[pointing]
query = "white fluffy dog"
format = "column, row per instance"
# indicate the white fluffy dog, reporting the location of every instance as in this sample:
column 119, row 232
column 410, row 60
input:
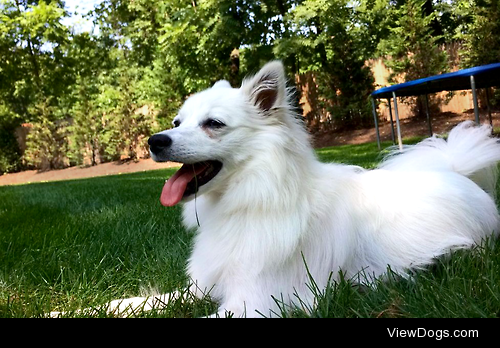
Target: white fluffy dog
column 269, row 215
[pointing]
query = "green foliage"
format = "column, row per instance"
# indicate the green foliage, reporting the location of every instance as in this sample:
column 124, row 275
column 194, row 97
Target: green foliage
column 413, row 46
column 480, row 33
column 46, row 144
column 104, row 92
column 32, row 74
column 330, row 41
column 125, row 128
column 86, row 126
column 10, row 156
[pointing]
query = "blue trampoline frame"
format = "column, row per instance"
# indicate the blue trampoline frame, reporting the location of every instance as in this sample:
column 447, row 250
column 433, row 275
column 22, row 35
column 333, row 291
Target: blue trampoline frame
column 473, row 78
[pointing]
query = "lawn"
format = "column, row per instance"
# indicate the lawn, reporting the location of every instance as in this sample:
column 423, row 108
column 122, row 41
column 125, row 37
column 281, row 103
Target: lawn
column 81, row 243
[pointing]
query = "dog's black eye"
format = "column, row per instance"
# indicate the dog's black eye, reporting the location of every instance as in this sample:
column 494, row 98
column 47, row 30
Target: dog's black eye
column 177, row 123
column 213, row 123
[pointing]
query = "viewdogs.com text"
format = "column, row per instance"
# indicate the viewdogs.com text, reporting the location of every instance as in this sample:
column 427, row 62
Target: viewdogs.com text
column 430, row 333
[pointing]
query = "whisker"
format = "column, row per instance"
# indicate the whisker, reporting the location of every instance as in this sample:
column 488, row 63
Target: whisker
column 195, row 197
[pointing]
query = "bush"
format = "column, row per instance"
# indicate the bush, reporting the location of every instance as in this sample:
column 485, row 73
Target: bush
column 47, row 143
column 10, row 154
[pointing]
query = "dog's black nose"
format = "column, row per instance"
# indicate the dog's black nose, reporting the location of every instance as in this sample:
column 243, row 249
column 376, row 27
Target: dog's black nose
column 158, row 142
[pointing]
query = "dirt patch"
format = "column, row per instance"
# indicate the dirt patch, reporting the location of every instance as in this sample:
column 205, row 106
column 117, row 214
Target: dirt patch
column 111, row 168
column 409, row 128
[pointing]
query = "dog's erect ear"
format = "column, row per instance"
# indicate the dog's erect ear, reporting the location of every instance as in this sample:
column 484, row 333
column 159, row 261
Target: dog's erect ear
column 222, row 84
column 267, row 88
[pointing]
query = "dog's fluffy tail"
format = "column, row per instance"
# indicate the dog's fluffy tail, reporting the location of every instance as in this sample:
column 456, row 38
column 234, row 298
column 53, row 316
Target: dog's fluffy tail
column 469, row 150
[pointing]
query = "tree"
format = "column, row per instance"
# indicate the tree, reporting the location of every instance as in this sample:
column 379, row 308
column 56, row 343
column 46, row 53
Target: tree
column 33, row 72
column 126, row 125
column 330, row 40
column 480, row 32
column 94, row 97
column 46, row 145
column 190, row 45
column 412, row 45
column 86, row 123
column 90, row 59
column 412, row 48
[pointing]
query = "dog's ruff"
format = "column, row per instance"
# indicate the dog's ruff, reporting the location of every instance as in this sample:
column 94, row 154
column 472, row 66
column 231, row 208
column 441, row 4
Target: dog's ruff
column 274, row 216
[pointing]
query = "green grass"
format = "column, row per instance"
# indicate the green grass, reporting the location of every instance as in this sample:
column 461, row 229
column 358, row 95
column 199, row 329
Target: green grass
column 81, row 243
column 364, row 155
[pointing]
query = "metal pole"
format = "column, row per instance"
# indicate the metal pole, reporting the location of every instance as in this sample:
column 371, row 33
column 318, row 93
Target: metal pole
column 393, row 136
column 488, row 106
column 375, row 118
column 474, row 98
column 428, row 114
column 397, row 121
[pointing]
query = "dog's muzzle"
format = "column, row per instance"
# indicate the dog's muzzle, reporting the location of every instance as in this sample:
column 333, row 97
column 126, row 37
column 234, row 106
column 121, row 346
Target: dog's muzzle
column 189, row 178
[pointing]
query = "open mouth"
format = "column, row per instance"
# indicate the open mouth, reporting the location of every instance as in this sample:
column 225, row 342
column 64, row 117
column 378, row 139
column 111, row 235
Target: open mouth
column 187, row 180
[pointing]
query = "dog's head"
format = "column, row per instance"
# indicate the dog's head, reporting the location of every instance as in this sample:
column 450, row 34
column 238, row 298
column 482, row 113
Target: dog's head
column 212, row 130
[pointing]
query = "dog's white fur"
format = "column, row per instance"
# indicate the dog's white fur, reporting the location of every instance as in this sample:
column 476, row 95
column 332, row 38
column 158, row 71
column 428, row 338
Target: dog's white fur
column 274, row 208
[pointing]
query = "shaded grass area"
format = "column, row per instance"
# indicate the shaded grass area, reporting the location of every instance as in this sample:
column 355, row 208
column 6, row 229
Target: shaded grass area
column 84, row 242
column 81, row 243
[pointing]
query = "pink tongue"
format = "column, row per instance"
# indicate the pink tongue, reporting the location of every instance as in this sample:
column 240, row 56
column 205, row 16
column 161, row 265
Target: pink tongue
column 174, row 188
